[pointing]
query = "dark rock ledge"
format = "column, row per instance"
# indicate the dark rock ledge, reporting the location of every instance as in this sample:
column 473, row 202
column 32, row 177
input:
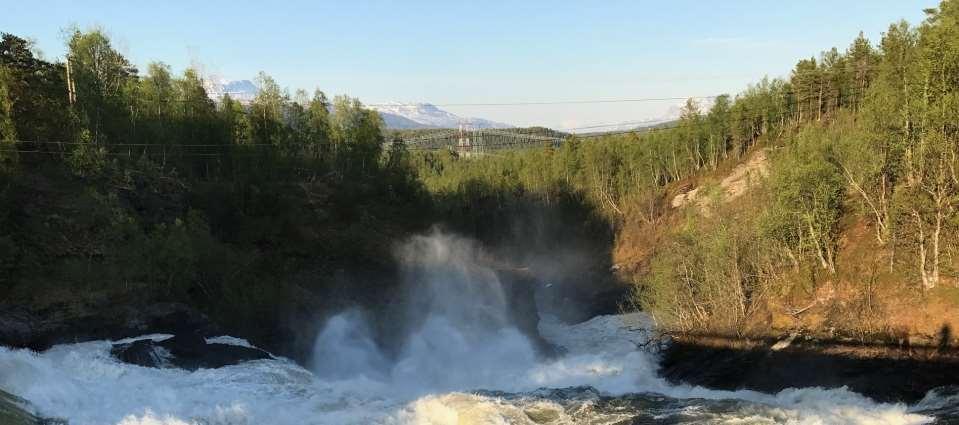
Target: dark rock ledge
column 188, row 351
column 39, row 330
column 882, row 372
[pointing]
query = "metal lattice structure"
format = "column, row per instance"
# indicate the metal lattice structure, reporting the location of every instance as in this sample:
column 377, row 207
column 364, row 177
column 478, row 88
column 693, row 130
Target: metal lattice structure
column 467, row 141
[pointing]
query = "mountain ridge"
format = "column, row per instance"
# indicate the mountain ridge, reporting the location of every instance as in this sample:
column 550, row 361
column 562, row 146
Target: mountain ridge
column 428, row 115
column 396, row 115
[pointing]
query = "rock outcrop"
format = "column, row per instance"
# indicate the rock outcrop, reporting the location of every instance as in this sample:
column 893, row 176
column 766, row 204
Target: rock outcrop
column 38, row 331
column 16, row 411
column 883, row 373
column 744, row 177
column 188, row 351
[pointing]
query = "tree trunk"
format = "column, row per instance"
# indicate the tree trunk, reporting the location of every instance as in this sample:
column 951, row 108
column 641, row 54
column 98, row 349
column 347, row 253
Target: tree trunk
column 927, row 282
column 935, row 245
column 823, row 249
column 819, row 106
column 878, row 208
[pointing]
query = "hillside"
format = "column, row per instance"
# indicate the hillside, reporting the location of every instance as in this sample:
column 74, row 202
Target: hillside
column 869, row 297
column 823, row 204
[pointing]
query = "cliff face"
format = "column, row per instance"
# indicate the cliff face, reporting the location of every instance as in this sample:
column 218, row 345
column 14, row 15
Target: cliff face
column 873, row 295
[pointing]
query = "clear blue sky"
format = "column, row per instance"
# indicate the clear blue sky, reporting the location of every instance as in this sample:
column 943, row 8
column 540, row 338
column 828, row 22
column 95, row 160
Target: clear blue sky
column 478, row 52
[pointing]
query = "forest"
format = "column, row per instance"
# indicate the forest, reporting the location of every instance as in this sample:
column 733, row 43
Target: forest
column 852, row 233
column 122, row 187
column 122, row 184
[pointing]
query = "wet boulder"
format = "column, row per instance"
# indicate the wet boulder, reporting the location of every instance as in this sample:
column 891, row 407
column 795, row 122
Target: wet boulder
column 144, row 352
column 186, row 351
column 191, row 352
column 186, row 346
column 17, row 411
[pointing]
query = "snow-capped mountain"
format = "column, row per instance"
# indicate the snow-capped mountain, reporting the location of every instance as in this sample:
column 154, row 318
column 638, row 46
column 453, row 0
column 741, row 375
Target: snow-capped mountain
column 425, row 115
column 397, row 122
column 241, row 90
column 395, row 115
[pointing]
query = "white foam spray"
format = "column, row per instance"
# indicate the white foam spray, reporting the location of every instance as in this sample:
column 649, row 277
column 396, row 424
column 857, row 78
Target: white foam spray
column 462, row 340
column 463, row 336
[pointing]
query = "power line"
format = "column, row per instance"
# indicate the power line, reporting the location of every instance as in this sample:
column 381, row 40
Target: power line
column 645, row 130
column 534, row 139
column 731, row 108
column 224, row 145
column 640, row 131
column 787, row 108
column 130, row 154
column 777, row 107
column 516, row 103
column 550, row 102
column 614, row 124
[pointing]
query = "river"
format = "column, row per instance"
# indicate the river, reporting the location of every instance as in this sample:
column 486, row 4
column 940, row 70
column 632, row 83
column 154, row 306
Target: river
column 464, row 364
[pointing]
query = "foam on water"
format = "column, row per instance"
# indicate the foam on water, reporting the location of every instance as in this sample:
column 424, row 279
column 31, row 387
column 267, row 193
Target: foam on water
column 462, row 363
column 84, row 383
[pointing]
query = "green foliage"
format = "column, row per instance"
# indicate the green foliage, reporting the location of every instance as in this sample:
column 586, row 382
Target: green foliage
column 888, row 150
column 266, row 112
column 173, row 258
column 712, row 274
column 155, row 189
column 358, row 136
column 156, row 192
column 624, row 175
column 101, row 74
column 807, row 193
column 318, row 130
column 8, row 132
column 866, row 131
column 36, row 90
column 234, row 122
column 87, row 158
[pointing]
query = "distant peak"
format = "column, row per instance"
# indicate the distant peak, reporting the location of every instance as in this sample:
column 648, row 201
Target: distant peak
column 427, row 115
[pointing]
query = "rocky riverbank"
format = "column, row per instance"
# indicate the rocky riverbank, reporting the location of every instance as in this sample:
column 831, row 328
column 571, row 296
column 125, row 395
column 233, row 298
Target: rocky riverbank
column 23, row 326
column 903, row 372
column 887, row 373
column 14, row 411
column 38, row 330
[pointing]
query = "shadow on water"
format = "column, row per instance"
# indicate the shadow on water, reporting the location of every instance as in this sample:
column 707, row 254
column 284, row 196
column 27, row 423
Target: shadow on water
column 883, row 372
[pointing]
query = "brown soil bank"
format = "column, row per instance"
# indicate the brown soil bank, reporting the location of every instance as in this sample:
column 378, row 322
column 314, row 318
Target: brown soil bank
column 881, row 372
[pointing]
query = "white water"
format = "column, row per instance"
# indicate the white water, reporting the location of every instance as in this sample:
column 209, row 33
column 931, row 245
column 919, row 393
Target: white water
column 463, row 341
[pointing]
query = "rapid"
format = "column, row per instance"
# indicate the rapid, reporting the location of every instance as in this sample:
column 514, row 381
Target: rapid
column 463, row 362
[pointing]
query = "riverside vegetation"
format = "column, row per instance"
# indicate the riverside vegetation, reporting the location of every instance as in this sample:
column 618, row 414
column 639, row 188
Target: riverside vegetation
column 852, row 234
column 126, row 187
column 139, row 188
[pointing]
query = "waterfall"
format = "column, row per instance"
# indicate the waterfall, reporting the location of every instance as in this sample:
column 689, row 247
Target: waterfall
column 461, row 361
